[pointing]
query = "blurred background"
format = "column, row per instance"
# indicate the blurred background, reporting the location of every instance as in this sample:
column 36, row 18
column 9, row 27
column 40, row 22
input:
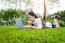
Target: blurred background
column 12, row 9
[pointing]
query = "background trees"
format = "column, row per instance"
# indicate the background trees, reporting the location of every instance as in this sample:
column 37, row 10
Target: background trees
column 8, row 16
column 61, row 14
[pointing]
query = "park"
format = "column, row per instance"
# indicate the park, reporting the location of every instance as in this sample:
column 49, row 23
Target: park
column 14, row 15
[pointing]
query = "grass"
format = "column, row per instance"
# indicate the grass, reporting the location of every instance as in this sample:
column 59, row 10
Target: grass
column 11, row 34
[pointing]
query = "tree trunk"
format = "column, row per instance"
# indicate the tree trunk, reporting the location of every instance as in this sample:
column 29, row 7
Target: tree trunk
column 44, row 15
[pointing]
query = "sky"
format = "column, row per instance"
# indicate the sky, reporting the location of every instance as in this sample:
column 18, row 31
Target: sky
column 38, row 6
column 50, row 8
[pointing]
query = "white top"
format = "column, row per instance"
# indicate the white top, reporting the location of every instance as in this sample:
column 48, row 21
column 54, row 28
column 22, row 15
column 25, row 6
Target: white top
column 38, row 23
column 48, row 24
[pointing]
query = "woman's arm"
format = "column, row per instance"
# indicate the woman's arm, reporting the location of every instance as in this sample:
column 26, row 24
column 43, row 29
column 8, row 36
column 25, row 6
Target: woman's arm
column 30, row 26
column 38, row 24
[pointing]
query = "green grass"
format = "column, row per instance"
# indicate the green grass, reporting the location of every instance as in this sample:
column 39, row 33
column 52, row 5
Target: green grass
column 11, row 34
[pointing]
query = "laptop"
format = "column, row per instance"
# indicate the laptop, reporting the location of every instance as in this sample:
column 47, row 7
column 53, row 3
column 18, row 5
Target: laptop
column 19, row 23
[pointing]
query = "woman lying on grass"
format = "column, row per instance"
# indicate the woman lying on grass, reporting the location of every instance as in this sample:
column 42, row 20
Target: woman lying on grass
column 35, row 22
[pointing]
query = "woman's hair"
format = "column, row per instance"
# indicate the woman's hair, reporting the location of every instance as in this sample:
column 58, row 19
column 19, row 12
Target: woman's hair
column 32, row 14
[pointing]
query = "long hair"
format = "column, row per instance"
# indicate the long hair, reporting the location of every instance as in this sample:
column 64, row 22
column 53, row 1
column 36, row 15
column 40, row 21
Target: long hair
column 32, row 14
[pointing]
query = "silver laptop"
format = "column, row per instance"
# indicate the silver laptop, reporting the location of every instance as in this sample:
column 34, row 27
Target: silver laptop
column 19, row 23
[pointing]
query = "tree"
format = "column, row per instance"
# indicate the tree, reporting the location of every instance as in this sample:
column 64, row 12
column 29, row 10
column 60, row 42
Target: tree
column 44, row 15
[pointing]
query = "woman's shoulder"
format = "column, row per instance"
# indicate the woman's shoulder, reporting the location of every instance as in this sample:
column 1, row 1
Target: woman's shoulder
column 38, row 20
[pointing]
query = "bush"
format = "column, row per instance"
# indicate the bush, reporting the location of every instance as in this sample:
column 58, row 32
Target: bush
column 61, row 14
column 10, row 14
column 49, row 20
column 12, row 34
column 62, row 23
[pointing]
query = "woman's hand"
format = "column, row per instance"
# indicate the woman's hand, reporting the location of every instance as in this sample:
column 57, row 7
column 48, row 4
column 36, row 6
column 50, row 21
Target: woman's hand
column 29, row 22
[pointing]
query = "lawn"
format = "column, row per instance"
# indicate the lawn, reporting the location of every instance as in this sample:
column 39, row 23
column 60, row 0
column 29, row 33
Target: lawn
column 11, row 34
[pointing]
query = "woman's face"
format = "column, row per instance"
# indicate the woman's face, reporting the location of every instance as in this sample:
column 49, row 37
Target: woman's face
column 31, row 18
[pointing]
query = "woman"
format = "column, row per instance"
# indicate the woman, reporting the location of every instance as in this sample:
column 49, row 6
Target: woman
column 35, row 22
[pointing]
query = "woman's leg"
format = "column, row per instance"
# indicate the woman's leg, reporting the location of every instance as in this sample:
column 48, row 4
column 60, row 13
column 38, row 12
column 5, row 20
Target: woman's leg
column 56, row 23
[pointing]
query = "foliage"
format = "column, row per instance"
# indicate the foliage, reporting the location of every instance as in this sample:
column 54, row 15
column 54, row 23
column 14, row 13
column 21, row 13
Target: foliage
column 9, row 13
column 12, row 14
column 61, row 14
column 11, row 34
column 62, row 23
column 49, row 20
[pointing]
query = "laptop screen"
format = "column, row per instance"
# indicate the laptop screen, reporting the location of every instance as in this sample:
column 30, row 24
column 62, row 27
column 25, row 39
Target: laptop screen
column 19, row 22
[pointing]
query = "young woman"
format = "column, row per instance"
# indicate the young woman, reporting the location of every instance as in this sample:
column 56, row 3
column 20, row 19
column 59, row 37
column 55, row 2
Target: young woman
column 35, row 22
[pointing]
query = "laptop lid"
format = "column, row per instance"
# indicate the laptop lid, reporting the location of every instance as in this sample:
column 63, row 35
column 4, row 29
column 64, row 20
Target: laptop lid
column 19, row 22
